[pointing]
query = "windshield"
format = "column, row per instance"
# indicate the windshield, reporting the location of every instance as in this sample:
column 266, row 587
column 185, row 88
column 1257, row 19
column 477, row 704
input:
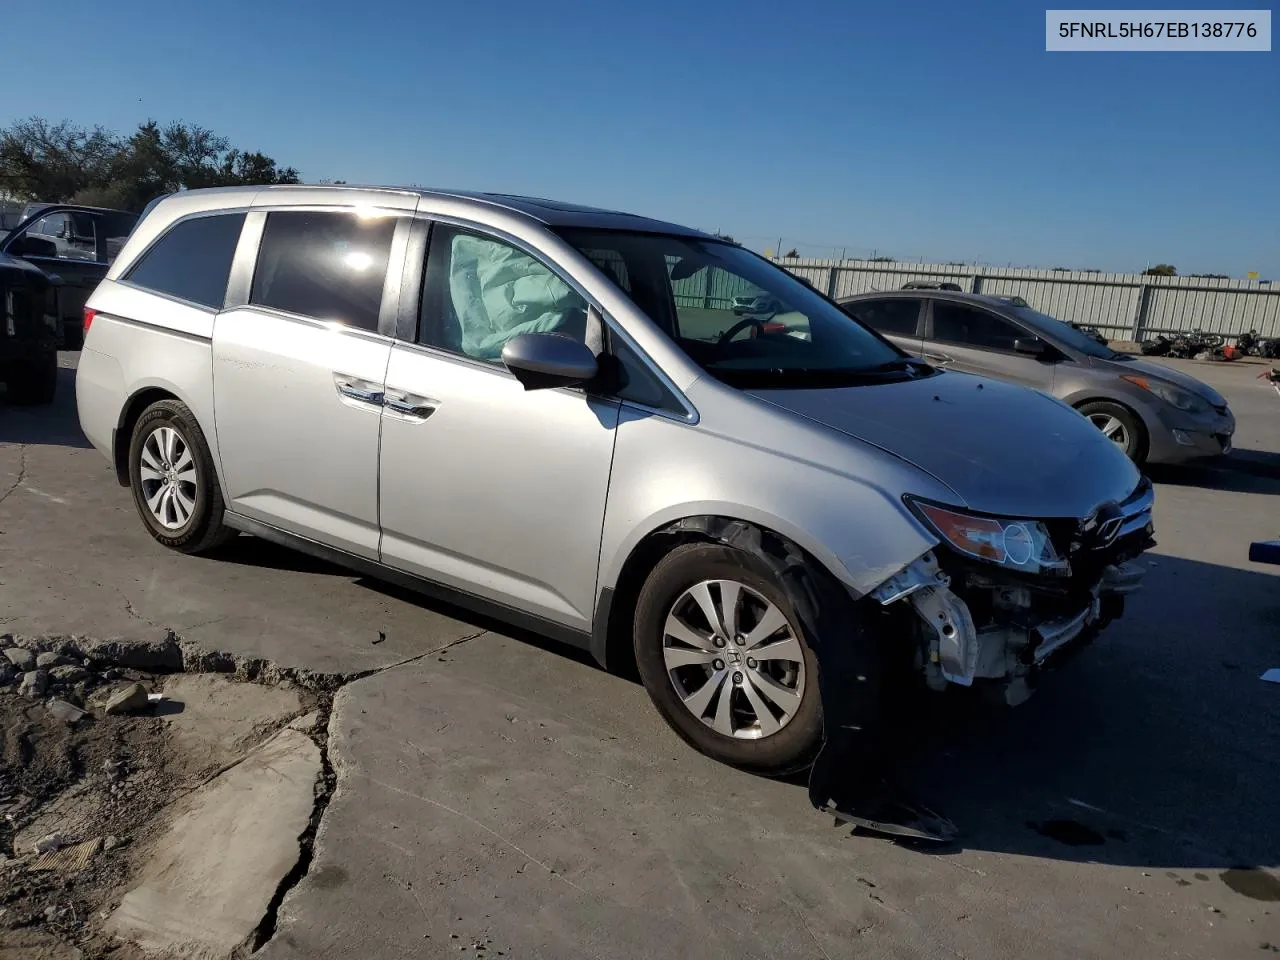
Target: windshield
column 1076, row 339
column 739, row 317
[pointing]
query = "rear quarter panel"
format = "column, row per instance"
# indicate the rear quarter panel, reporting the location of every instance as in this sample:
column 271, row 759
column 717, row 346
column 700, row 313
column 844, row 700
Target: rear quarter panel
column 140, row 340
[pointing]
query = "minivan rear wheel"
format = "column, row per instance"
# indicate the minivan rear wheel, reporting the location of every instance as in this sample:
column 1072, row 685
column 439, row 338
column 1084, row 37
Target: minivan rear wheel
column 175, row 487
column 1120, row 425
column 726, row 661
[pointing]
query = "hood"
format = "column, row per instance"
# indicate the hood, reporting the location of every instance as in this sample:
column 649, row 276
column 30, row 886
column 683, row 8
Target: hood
column 1158, row 371
column 1002, row 448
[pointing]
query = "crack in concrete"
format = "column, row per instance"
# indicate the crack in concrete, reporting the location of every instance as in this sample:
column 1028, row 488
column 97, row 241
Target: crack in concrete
column 374, row 671
column 195, row 659
column 130, row 609
column 22, row 472
column 328, row 784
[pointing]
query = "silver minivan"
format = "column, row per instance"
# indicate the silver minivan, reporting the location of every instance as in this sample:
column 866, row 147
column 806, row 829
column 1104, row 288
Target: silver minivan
column 1156, row 414
column 554, row 414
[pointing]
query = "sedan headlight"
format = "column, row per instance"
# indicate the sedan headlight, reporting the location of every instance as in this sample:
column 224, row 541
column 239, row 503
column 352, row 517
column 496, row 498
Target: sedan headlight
column 1017, row 544
column 1182, row 399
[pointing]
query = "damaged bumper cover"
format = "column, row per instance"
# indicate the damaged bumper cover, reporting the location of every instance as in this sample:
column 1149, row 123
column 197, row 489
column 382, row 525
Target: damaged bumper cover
column 980, row 621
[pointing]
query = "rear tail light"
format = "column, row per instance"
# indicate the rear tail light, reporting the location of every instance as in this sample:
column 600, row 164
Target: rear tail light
column 88, row 318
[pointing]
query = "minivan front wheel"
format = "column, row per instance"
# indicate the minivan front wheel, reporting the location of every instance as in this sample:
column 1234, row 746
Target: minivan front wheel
column 174, row 484
column 725, row 660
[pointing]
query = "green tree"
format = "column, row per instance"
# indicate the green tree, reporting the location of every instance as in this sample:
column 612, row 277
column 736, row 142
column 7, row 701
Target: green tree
column 42, row 160
column 1161, row 270
column 61, row 162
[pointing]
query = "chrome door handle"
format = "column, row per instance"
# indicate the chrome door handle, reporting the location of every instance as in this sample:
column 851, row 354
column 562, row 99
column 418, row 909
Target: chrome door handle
column 349, row 387
column 409, row 405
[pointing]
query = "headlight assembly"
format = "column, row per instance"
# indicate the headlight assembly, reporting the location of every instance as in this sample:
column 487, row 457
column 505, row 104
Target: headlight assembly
column 1182, row 399
column 1017, row 544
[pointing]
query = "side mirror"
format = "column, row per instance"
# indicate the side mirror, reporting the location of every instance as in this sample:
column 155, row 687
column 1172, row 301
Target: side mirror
column 29, row 246
column 1032, row 346
column 544, row 360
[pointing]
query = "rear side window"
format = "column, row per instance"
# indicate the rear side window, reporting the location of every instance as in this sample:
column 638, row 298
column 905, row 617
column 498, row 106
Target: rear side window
column 897, row 316
column 192, row 261
column 953, row 323
column 330, row 266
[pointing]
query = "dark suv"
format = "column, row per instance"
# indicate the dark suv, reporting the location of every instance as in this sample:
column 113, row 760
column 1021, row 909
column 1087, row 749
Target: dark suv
column 29, row 335
column 74, row 243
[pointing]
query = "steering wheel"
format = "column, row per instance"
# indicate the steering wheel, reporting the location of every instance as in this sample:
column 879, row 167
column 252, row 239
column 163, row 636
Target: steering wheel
column 738, row 328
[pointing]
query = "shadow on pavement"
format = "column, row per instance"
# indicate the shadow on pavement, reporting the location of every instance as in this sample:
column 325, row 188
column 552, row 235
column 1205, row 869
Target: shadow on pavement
column 250, row 551
column 1244, row 471
column 1155, row 747
column 55, row 425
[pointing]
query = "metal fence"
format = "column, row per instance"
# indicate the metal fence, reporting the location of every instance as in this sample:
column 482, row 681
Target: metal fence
column 1125, row 306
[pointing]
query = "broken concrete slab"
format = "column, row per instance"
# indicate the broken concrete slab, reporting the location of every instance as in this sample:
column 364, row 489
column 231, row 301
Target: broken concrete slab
column 126, row 700
column 153, row 649
column 23, row 660
column 211, row 875
column 33, row 684
column 68, row 712
column 68, row 674
column 218, row 716
column 307, row 723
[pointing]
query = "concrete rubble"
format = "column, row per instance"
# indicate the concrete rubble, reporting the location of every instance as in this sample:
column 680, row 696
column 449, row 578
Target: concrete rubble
column 185, row 813
column 211, row 876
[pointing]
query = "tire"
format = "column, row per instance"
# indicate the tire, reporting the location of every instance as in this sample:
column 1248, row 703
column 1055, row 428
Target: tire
column 790, row 748
column 189, row 516
column 1101, row 413
column 33, row 383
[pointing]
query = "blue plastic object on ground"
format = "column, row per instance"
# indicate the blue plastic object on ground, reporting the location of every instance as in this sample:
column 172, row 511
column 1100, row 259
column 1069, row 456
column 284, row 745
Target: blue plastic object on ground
column 1265, row 551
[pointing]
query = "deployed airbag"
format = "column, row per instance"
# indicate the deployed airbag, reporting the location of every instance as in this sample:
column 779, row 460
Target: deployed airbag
column 499, row 292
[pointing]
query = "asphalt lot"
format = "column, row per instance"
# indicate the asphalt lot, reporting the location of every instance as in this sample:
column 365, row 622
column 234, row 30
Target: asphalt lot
column 499, row 795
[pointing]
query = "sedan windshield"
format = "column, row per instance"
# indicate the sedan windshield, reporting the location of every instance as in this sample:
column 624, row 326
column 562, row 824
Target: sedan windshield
column 1076, row 339
column 742, row 319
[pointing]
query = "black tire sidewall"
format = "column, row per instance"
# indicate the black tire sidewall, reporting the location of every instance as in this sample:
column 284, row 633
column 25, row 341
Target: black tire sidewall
column 792, row 748
column 173, row 414
column 1136, row 449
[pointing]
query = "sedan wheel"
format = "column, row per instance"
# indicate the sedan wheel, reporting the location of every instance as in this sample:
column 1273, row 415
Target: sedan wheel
column 733, row 659
column 1111, row 428
column 1120, row 425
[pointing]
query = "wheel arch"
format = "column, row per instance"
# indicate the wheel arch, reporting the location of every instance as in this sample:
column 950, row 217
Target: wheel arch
column 143, row 396
column 611, row 636
column 1140, row 413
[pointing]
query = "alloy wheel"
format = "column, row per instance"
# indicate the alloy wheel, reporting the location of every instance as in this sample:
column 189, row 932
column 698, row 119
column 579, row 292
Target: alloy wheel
column 169, row 478
column 1111, row 428
column 734, row 659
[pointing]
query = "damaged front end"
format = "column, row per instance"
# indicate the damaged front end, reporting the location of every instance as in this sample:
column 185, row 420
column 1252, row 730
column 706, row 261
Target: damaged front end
column 999, row 599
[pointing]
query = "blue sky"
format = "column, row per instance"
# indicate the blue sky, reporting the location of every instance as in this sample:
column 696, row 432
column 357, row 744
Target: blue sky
column 940, row 130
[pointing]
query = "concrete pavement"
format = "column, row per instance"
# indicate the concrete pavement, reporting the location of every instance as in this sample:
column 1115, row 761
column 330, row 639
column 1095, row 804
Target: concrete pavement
column 505, row 795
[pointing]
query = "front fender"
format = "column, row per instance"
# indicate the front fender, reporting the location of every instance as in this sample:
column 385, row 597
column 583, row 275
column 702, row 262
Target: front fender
column 852, row 521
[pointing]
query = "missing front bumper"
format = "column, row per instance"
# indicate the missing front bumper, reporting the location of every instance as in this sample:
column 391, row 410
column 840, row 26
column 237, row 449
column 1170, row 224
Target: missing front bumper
column 1019, row 635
